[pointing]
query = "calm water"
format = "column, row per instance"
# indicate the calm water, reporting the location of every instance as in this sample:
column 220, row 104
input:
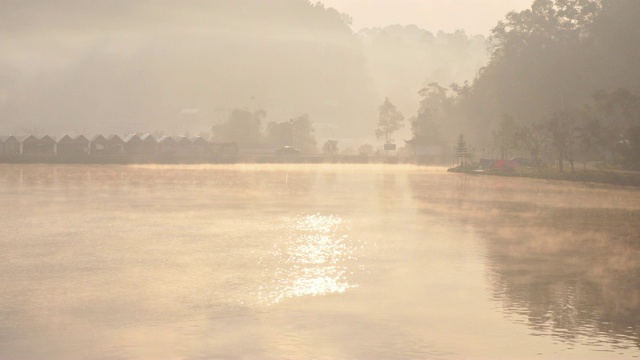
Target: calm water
column 313, row 262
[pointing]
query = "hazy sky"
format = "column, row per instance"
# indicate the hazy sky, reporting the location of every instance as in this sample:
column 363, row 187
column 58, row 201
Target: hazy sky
column 475, row 16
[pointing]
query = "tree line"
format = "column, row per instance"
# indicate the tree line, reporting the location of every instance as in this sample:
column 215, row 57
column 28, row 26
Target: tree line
column 562, row 83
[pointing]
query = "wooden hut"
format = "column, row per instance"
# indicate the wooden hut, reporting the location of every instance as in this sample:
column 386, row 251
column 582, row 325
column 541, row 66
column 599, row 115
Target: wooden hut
column 199, row 146
column 132, row 144
column 73, row 146
column 38, row 145
column 183, row 146
column 115, row 145
column 98, row 146
column 10, row 145
column 140, row 145
column 149, row 144
column 167, row 146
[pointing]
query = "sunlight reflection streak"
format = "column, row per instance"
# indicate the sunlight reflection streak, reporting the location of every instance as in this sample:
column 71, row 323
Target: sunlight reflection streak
column 312, row 258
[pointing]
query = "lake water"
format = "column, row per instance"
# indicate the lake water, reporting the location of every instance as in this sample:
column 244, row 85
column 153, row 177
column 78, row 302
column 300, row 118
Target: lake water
column 313, row 262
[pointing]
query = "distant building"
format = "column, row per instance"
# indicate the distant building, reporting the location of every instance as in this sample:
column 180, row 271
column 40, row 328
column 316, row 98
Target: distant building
column 106, row 146
column 38, row 145
column 199, row 146
column 183, row 145
column 132, row 144
column 167, row 146
column 486, row 163
column 74, row 146
column 423, row 147
column 98, row 145
column 140, row 145
column 115, row 145
column 10, row 145
column 149, row 144
column 425, row 150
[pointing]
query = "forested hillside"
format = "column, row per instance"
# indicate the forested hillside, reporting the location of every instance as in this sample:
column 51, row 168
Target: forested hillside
column 563, row 78
column 124, row 66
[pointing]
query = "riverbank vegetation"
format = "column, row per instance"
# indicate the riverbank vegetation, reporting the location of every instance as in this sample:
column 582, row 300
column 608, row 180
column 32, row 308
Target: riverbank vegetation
column 559, row 95
column 560, row 87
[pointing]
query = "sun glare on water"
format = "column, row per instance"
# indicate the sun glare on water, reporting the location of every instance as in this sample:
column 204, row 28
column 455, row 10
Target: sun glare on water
column 311, row 258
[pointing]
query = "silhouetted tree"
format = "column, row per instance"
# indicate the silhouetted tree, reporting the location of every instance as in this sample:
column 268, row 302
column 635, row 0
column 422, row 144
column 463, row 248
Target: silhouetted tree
column 389, row 121
column 462, row 151
column 330, row 147
column 279, row 134
column 303, row 134
column 531, row 138
column 433, row 108
column 297, row 132
column 243, row 127
column 366, row 149
column 630, row 148
column 620, row 108
column 545, row 24
column 562, row 132
column 505, row 136
column 592, row 140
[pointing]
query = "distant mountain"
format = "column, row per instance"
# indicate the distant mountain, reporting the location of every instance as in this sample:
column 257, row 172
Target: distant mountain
column 133, row 65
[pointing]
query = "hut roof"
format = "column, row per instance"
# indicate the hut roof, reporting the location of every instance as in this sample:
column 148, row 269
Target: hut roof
column 36, row 137
column 81, row 138
column 65, row 137
column 73, row 141
column 147, row 137
column 5, row 138
column 115, row 137
column 166, row 139
column 130, row 137
column 179, row 139
column 194, row 139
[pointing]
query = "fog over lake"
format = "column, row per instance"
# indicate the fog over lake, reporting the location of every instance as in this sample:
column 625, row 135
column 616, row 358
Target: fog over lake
column 313, row 261
column 251, row 179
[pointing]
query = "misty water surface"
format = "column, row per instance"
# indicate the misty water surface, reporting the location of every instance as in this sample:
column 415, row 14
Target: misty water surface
column 324, row 261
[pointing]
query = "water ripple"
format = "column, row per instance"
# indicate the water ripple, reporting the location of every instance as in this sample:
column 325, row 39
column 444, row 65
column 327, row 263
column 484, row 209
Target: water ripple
column 312, row 258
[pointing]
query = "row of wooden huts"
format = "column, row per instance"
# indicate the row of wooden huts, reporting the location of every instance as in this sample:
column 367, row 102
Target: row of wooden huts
column 113, row 145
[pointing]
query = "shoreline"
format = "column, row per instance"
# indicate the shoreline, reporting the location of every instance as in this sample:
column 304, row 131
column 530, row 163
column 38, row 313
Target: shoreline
column 607, row 177
column 216, row 159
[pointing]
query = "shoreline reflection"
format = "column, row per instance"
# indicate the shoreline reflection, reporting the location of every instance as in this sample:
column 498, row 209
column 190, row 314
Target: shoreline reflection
column 568, row 268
